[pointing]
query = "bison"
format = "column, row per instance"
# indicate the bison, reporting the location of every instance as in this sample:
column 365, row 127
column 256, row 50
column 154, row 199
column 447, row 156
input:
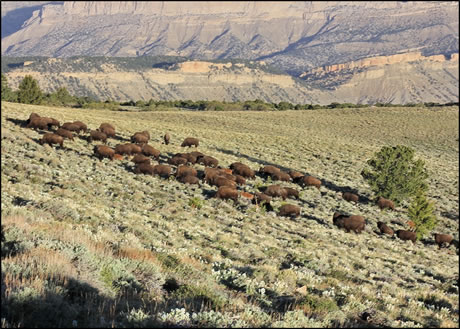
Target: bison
column 166, row 138
column 289, row 210
column 185, row 171
column 189, row 141
column 139, row 158
column 97, row 136
column 276, row 191
column 65, row 133
column 291, row 192
column 52, row 138
column 440, row 239
column 349, row 223
column 240, row 180
column 227, row 192
column 51, row 122
column 32, row 116
column 295, row 175
column 123, row 149
column 189, row 179
column 310, row 181
column 208, row 161
column 144, row 168
column 385, row 203
column 268, row 170
column 162, row 170
column 282, row 176
column 106, row 125
column 384, row 229
column 38, row 123
column 82, row 126
column 139, row 138
column 110, row 132
column 150, row 151
column 70, row 126
column 348, row 196
column 177, row 160
column 406, row 235
column 241, row 169
column 222, row 181
column 103, row 151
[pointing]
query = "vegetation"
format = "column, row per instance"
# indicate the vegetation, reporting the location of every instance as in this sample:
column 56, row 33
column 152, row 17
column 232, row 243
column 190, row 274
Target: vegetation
column 421, row 212
column 88, row 243
column 395, row 174
column 28, row 91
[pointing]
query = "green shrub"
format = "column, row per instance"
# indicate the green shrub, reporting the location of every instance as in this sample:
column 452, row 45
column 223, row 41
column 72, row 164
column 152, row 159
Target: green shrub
column 421, row 213
column 29, row 92
column 394, row 174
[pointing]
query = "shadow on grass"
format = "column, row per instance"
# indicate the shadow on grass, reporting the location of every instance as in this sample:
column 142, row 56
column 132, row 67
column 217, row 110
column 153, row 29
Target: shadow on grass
column 18, row 122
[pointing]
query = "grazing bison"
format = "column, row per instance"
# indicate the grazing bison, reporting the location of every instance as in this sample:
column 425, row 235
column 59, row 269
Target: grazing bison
column 269, row 170
column 349, row 223
column 82, row 126
column 97, row 136
column 51, row 122
column 240, row 180
column 310, row 181
column 291, row 192
column 103, row 151
column 440, row 239
column 384, row 229
column 108, row 131
column 139, row 158
column 289, row 210
column 185, row 171
column 295, row 175
column 106, row 125
column 222, row 181
column 261, row 197
column 227, row 192
column 32, row 116
column 70, row 126
column 177, row 161
column 208, row 161
column 135, row 149
column 51, row 138
column 406, row 235
column 123, row 149
column 65, row 133
column 282, row 176
column 348, row 196
column 189, row 179
column 144, row 168
column 276, row 191
column 166, row 138
column 150, row 151
column 38, row 123
column 189, row 141
column 139, row 138
column 385, row 203
column 241, row 169
column 162, row 170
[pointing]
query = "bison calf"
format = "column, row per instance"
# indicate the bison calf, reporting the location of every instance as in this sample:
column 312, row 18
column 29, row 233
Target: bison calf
column 385, row 203
column 384, row 229
column 348, row 196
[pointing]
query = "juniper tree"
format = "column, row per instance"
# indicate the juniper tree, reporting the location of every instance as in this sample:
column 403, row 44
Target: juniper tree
column 421, row 213
column 29, row 92
column 394, row 174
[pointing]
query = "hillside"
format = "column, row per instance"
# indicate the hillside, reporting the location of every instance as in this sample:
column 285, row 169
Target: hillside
column 398, row 79
column 295, row 36
column 88, row 243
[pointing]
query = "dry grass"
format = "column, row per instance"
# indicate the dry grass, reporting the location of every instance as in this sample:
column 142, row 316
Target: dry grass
column 83, row 227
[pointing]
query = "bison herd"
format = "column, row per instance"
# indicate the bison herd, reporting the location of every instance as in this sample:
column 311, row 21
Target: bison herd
column 226, row 180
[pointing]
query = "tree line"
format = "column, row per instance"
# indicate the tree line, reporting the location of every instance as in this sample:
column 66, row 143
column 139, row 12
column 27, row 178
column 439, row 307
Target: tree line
column 29, row 92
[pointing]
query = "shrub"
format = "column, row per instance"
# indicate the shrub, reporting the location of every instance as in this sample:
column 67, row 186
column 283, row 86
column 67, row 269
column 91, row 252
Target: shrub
column 394, row 174
column 421, row 213
column 29, row 92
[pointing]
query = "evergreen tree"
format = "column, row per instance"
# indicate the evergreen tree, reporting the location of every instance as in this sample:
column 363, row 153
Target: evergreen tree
column 394, row 174
column 421, row 213
column 7, row 93
column 29, row 92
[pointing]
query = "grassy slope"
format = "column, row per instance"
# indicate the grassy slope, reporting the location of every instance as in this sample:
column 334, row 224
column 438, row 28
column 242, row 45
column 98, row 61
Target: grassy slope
column 91, row 242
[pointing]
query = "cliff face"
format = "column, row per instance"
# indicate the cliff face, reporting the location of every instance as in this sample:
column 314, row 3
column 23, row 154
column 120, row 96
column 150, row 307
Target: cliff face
column 296, row 36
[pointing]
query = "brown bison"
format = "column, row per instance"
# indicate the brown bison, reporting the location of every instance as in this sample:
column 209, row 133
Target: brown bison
column 261, row 197
column 38, row 123
column 191, row 158
column 240, row 180
column 65, row 133
column 189, row 179
column 70, row 126
column 440, row 239
column 106, row 125
column 32, row 116
column 295, row 175
column 241, row 169
column 291, row 192
column 97, row 136
column 227, row 192
column 208, row 161
column 103, row 151
column 117, row 156
column 385, row 203
column 150, row 151
column 108, row 131
column 123, row 149
column 144, row 168
column 177, row 161
column 310, row 181
column 82, row 126
column 185, row 171
column 384, row 229
column 276, row 191
column 51, row 138
column 282, row 176
column 349, row 223
column 166, row 138
column 289, row 210
column 139, row 138
column 269, row 170
column 222, row 181
column 189, row 141
column 139, row 158
column 350, row 197
column 406, row 235
column 162, row 170
column 51, row 122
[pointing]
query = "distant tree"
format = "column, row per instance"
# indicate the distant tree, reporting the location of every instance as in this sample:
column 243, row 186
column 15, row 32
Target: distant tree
column 394, row 174
column 7, row 93
column 63, row 96
column 421, row 213
column 29, row 92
